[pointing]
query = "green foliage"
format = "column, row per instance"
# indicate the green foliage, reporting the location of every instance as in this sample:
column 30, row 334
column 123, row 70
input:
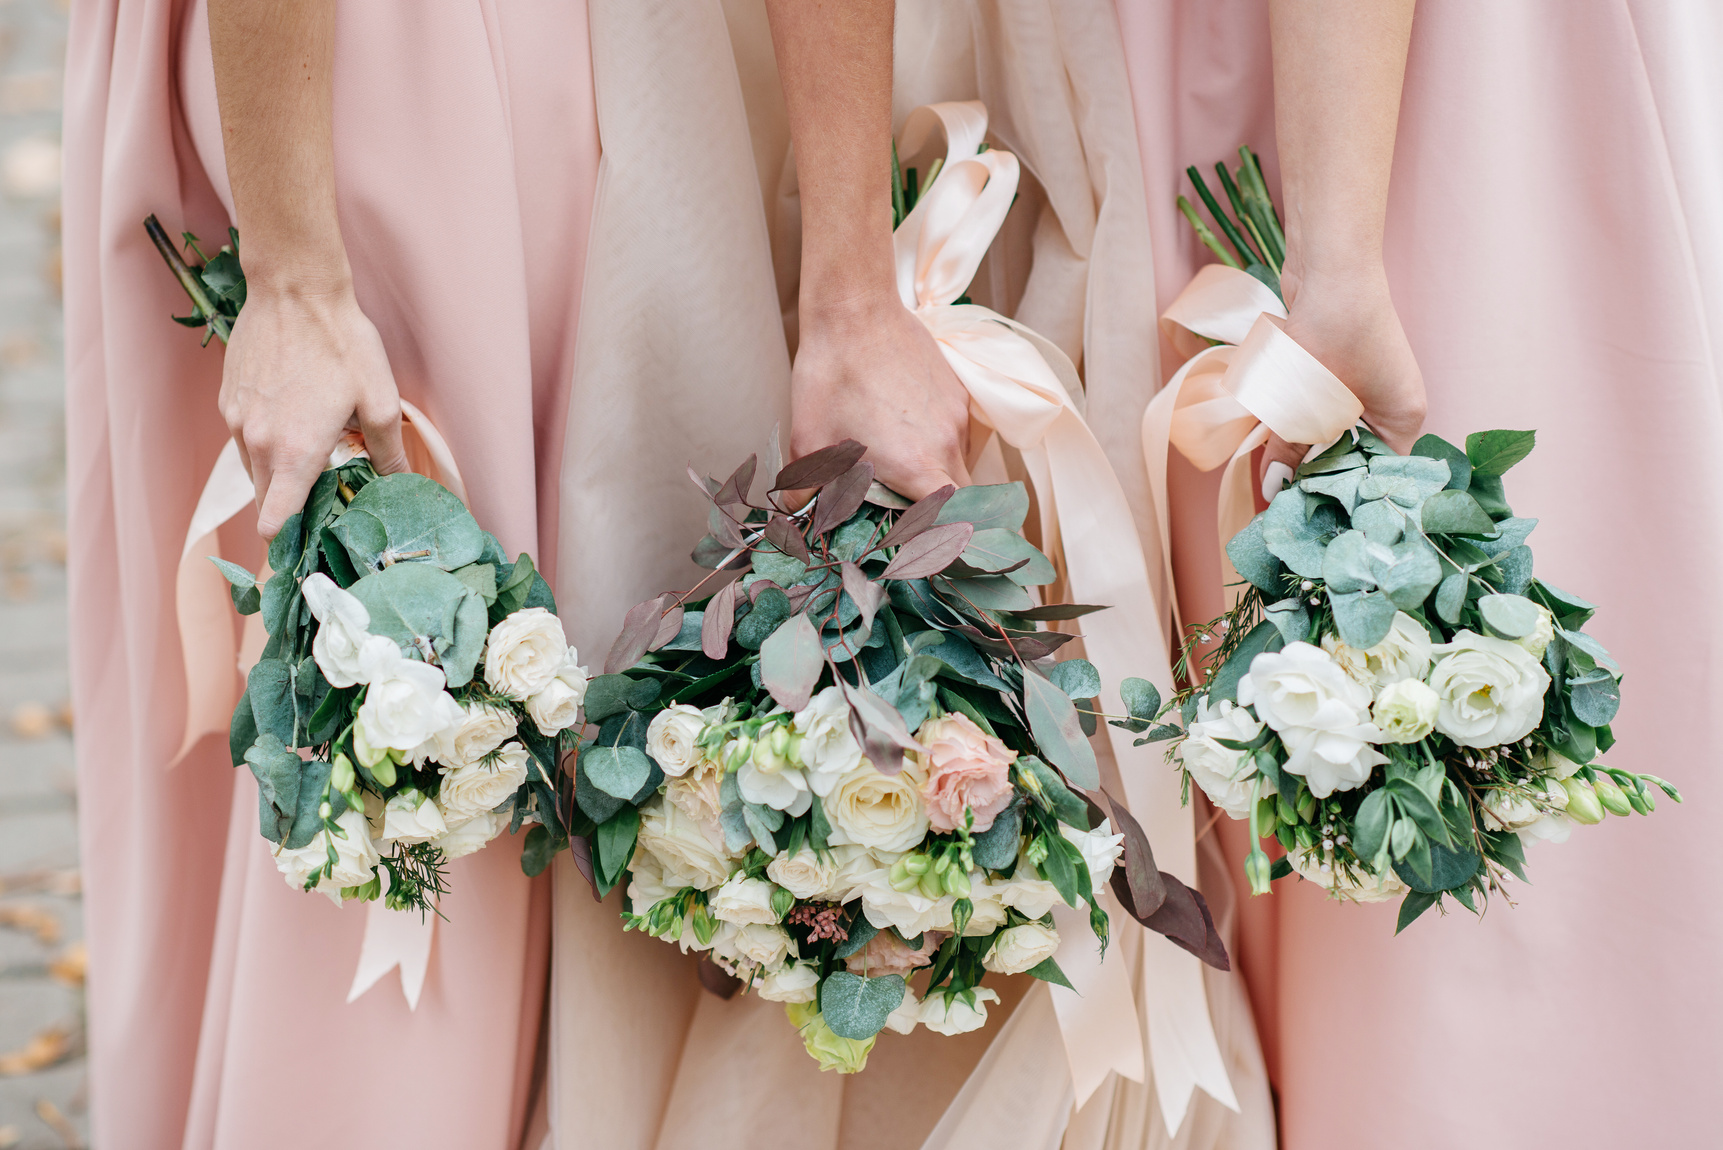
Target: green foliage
column 857, row 1007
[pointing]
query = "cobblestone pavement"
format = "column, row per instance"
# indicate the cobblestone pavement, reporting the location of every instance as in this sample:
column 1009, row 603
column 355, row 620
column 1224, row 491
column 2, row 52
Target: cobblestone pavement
column 42, row 1082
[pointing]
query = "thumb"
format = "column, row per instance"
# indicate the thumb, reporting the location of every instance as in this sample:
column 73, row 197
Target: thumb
column 380, row 423
column 1279, row 460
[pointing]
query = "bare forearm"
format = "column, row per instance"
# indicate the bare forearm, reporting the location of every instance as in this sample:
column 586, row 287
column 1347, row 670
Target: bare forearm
column 274, row 63
column 834, row 61
column 1338, row 68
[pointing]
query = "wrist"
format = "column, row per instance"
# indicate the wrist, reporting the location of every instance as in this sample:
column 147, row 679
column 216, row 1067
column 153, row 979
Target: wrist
column 837, row 310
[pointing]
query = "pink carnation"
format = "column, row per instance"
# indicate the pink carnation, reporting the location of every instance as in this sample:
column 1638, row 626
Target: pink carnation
column 966, row 767
column 884, row 954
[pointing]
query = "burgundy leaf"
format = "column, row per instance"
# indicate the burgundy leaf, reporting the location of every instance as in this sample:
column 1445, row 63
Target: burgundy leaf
column 582, row 852
column 786, row 537
column 736, row 488
column 929, row 552
column 706, row 486
column 639, row 628
column 801, row 593
column 720, row 618
column 866, row 594
column 791, row 660
column 919, row 518
column 668, row 628
column 715, row 981
column 721, row 522
column 818, row 468
column 714, row 556
column 1136, row 880
column 1028, row 648
column 1185, row 919
column 842, row 497
column 759, row 587
column 962, row 570
column 880, row 495
column 1058, row 610
column 882, row 733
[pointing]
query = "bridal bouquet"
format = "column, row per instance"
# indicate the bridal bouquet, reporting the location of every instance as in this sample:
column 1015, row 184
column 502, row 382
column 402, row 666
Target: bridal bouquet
column 857, row 763
column 415, row 691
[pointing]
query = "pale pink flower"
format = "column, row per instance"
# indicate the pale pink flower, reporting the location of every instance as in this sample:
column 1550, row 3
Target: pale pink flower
column 966, row 767
column 885, row 954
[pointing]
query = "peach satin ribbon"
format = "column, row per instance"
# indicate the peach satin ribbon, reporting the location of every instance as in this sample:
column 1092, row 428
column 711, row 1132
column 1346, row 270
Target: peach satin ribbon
column 216, row 661
column 1020, row 386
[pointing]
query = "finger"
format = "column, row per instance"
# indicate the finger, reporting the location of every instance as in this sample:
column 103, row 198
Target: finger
column 1279, row 460
column 380, row 423
column 289, row 483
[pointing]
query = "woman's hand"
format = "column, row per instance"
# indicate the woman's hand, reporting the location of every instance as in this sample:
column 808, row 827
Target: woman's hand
column 301, row 368
column 874, row 374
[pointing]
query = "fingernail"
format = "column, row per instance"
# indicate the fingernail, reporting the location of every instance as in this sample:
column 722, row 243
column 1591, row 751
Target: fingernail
column 1274, row 479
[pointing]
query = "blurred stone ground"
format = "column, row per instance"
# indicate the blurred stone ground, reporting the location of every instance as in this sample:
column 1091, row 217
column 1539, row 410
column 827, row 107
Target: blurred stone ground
column 42, row 1083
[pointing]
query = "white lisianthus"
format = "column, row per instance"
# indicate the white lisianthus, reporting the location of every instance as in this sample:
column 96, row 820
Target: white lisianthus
column 907, row 1015
column 954, row 1015
column 524, row 653
column 1404, row 653
column 1406, row 711
column 909, row 911
column 355, row 858
column 482, row 729
column 743, row 900
column 1029, row 896
column 671, row 738
column 804, row 874
column 1365, row 887
column 406, row 706
column 988, row 913
column 1022, row 948
column 795, row 982
column 1320, row 714
column 690, row 853
column 771, row 778
column 1491, row 690
column 829, row 749
column 345, row 651
column 557, row 707
column 469, row 835
column 1227, row 776
column 885, row 812
column 1101, row 849
column 479, row 787
column 1542, row 634
column 411, row 817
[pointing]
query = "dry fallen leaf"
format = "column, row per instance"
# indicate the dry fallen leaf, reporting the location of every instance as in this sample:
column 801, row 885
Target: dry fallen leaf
column 32, row 720
column 49, row 1113
column 32, row 919
column 70, row 964
column 44, row 1049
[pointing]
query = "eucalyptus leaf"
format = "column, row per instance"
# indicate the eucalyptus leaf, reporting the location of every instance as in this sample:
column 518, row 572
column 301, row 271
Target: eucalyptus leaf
column 1223, row 684
column 608, row 695
column 619, row 772
column 277, row 771
column 996, row 505
column 308, row 819
column 406, row 517
column 1076, row 677
column 1340, row 485
column 769, row 610
column 1407, row 572
column 1054, row 723
column 1454, row 513
column 1595, row 697
column 1459, row 467
column 269, row 687
column 1381, row 521
column 1051, row 792
column 417, row 604
column 1491, row 495
column 1252, row 559
column 1291, row 536
column 996, row 847
column 1363, row 618
column 1142, row 701
column 1509, row 616
column 1596, row 651
column 1347, row 561
column 1513, row 570
column 855, row 1007
column 781, row 569
column 1291, row 618
column 481, row 577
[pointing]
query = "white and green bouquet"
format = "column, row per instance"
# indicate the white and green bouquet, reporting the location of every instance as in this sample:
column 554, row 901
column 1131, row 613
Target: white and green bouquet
column 854, row 778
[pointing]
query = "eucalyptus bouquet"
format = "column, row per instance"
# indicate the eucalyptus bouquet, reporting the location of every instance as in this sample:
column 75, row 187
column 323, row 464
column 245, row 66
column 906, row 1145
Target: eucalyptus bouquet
column 415, row 692
column 857, row 764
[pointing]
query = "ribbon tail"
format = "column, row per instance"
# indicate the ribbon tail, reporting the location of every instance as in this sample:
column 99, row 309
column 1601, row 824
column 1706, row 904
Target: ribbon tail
column 1098, row 1014
column 394, row 938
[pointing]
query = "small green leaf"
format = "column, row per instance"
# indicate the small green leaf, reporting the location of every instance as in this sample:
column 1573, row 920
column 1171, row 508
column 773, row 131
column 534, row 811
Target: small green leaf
column 1509, row 616
column 1493, row 452
column 609, row 695
column 769, row 610
column 1454, row 513
column 615, row 842
column 1252, row 559
column 1363, row 618
column 1459, row 466
column 1370, row 825
column 408, row 517
column 1451, row 597
column 1223, row 684
column 1449, row 868
column 1048, row 971
column 538, row 850
column 1002, row 505
column 856, row 1007
column 1076, row 677
column 996, row 847
column 1413, row 905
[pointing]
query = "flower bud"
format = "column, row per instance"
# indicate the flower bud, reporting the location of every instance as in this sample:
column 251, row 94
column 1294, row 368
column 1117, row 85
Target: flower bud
column 1641, row 800
column 782, row 901
column 367, row 755
column 1307, row 807
column 1288, row 812
column 1582, row 802
column 1257, row 869
column 941, row 863
column 781, row 740
column 1036, row 852
column 341, row 773
column 931, row 885
column 900, row 878
column 957, row 883
column 384, row 772
column 1609, row 794
column 324, row 810
column 1267, row 815
column 916, row 865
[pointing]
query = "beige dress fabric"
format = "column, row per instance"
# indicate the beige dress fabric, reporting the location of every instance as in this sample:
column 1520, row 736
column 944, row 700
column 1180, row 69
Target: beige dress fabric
column 686, row 334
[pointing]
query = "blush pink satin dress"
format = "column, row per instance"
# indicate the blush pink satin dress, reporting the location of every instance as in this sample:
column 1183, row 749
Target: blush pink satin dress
column 466, row 157
column 1555, row 246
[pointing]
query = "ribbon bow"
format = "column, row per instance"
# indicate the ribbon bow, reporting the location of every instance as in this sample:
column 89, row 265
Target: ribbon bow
column 211, row 656
column 1020, row 386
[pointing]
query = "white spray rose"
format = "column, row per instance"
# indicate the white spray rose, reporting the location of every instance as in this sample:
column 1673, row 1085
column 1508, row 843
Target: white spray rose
column 1491, row 690
column 764, row 946
column 1542, row 634
column 410, row 817
column 406, row 706
column 1227, row 776
column 1101, row 849
column 345, row 651
column 885, row 812
column 909, row 911
column 690, row 853
column 743, row 900
column 907, row 1015
column 355, row 858
column 1320, row 714
column 1406, row 711
column 829, row 749
column 469, row 835
column 1505, row 810
column 1022, row 948
column 482, row 729
column 988, row 909
column 953, row 1015
column 524, row 653
column 1535, row 821
column 1027, row 895
column 1364, row 888
column 670, row 738
column 646, row 885
column 796, row 982
column 557, row 707
column 483, row 786
column 804, row 874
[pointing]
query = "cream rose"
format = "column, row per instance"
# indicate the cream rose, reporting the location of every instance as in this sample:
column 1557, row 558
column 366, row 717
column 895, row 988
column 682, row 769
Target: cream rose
column 796, row 982
column 804, row 874
column 479, row 787
column 646, row 885
column 672, row 738
column 955, row 1015
column 1403, row 654
column 1027, row 894
column 759, row 944
column 406, row 706
column 524, row 653
column 966, row 769
column 886, row 954
column 1491, row 691
column 697, row 793
column 344, row 650
column 410, row 817
column 828, row 749
column 557, row 707
column 482, row 729
column 1022, row 948
column 743, row 900
column 885, row 812
column 690, row 853
column 469, row 835
column 355, row 858
column 1320, row 714
column 1406, row 711
column 1227, row 776
column 1364, row 888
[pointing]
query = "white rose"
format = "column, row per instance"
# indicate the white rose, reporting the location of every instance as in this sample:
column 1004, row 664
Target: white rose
column 904, row 1018
column 1228, row 777
column 804, row 874
column 646, row 885
column 764, row 946
column 1539, row 640
column 829, row 750
column 1101, row 849
column 1320, row 714
column 796, row 982
column 1491, row 690
column 406, row 706
column 885, row 812
column 410, row 817
column 743, row 900
column 557, row 707
column 699, row 793
column 770, row 778
column 671, row 738
column 345, row 651
column 688, row 851
column 988, row 913
column 954, row 1015
column 482, row 729
column 1022, row 948
column 1406, row 711
column 909, row 911
column 469, row 835
column 479, row 787
column 1026, row 894
column 524, row 653
column 1365, row 887
column 355, row 858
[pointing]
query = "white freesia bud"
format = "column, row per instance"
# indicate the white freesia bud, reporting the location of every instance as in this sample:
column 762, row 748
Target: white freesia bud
column 524, row 653
column 345, row 651
column 953, row 1015
column 672, row 738
column 406, row 707
column 1022, row 948
column 1406, row 711
column 796, row 982
column 1227, row 776
column 473, row 789
column 769, row 778
column 743, row 900
column 355, row 858
column 1491, row 690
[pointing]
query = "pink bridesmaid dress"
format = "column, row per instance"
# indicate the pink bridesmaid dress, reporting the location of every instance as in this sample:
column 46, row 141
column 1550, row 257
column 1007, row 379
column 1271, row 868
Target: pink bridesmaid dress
column 1555, row 246
column 466, row 158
